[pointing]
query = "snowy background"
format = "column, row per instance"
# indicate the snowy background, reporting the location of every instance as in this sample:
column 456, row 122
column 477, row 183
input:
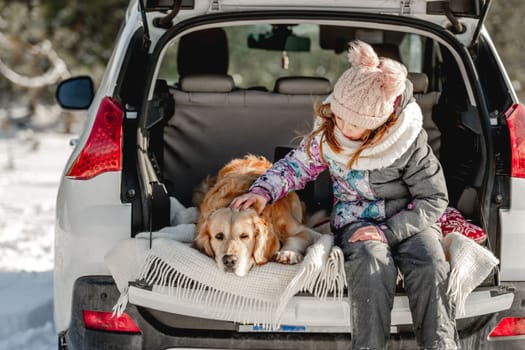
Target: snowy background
column 30, row 168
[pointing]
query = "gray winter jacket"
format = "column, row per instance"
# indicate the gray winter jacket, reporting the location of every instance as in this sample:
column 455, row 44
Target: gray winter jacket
column 414, row 190
column 402, row 199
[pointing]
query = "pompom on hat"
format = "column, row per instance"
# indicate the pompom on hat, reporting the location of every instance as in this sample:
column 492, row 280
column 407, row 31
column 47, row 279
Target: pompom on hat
column 365, row 93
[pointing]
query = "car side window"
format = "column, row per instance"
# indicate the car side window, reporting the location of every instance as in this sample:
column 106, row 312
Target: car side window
column 411, row 51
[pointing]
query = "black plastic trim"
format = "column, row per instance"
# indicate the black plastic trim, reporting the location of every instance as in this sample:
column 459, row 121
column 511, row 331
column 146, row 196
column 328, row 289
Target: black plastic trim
column 130, row 78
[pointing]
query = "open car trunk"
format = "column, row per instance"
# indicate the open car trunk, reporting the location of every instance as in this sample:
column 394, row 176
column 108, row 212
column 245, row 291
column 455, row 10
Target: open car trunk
column 194, row 126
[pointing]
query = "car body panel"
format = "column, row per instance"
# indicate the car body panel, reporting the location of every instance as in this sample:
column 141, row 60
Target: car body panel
column 85, row 230
column 513, row 235
column 79, row 212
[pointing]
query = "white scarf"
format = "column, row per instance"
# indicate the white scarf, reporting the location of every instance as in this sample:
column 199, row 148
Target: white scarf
column 395, row 143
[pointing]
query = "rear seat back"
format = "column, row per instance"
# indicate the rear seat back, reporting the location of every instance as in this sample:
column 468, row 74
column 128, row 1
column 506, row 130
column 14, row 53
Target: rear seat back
column 214, row 123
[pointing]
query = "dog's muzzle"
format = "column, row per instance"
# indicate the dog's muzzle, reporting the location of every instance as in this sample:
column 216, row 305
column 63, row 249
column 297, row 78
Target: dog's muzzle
column 229, row 261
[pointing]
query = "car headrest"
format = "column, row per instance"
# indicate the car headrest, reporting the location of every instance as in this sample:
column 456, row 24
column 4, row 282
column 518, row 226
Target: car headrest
column 203, row 52
column 207, row 83
column 302, row 86
column 419, row 81
column 388, row 51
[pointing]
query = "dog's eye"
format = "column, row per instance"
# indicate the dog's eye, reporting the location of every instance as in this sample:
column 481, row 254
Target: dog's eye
column 219, row 236
column 244, row 236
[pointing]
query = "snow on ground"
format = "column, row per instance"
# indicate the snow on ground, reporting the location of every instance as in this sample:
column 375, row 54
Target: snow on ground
column 30, row 168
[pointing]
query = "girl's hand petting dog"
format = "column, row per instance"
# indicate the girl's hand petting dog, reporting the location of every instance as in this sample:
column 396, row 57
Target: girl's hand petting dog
column 248, row 200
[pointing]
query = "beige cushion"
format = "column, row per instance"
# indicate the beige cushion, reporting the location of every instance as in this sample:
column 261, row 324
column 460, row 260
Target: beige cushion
column 419, row 81
column 302, row 86
column 207, row 83
column 427, row 102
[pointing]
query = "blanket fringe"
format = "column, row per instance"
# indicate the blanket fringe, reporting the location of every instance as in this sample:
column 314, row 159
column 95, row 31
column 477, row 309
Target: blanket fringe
column 121, row 304
column 166, row 279
column 173, row 269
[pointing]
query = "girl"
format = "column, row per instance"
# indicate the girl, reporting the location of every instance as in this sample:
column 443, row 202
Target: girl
column 389, row 191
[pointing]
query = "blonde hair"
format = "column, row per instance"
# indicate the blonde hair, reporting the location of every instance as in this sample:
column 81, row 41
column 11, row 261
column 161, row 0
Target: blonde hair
column 327, row 127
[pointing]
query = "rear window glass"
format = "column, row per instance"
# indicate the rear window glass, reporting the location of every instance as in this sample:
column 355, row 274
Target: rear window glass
column 303, row 50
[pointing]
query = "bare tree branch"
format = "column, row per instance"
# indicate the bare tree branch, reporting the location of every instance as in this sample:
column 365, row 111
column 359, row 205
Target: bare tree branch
column 58, row 70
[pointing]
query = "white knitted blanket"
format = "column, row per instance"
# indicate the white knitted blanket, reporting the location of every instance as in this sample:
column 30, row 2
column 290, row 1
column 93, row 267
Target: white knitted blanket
column 470, row 264
column 175, row 269
column 171, row 267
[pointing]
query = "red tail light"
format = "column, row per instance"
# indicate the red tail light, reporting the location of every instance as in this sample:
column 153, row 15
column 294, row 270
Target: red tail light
column 509, row 327
column 105, row 321
column 102, row 151
column 516, row 122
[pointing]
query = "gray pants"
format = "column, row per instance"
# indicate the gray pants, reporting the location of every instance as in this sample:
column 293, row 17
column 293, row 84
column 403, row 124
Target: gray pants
column 372, row 270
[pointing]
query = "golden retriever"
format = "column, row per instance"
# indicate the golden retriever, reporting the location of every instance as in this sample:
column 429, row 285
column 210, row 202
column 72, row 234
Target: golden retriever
column 240, row 239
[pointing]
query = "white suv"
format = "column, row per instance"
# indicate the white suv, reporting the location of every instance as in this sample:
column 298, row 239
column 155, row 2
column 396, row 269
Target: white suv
column 192, row 84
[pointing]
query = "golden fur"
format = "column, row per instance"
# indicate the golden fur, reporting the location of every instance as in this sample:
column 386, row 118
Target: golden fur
column 239, row 239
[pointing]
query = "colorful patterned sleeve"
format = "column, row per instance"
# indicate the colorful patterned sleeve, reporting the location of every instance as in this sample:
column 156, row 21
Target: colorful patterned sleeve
column 291, row 172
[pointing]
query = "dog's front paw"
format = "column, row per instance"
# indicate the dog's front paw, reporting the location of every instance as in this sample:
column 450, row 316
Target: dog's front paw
column 289, row 257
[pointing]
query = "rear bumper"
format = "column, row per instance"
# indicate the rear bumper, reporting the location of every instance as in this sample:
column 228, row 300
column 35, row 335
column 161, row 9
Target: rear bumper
column 480, row 339
column 163, row 330
column 333, row 316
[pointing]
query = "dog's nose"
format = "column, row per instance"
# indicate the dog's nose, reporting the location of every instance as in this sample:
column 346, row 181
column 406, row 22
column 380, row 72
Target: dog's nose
column 229, row 260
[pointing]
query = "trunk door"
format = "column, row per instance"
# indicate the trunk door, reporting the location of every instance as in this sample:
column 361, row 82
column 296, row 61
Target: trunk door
column 164, row 5
column 463, row 18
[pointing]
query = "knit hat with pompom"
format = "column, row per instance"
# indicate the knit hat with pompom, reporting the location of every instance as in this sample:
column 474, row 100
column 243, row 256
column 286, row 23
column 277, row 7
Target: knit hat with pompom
column 365, row 93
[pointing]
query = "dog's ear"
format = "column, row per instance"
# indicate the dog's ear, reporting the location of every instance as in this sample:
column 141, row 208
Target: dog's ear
column 202, row 239
column 266, row 241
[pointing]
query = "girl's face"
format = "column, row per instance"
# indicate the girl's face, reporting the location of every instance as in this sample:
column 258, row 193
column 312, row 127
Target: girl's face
column 351, row 131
